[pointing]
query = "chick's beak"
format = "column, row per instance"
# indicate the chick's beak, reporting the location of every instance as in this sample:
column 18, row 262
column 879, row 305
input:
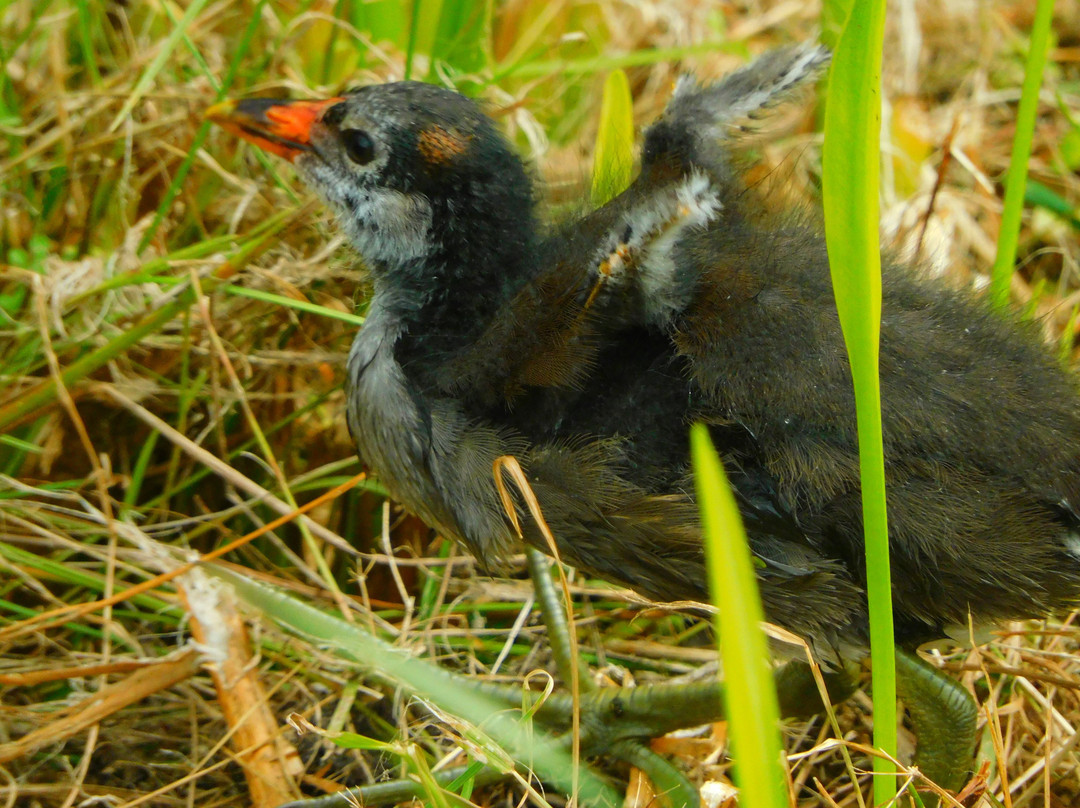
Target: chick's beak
column 279, row 126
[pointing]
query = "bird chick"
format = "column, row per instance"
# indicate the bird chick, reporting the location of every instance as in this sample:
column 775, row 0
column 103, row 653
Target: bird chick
column 587, row 348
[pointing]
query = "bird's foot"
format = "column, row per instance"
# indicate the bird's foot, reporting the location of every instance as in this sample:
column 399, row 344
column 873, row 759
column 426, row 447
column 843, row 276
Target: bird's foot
column 616, row 722
column 943, row 716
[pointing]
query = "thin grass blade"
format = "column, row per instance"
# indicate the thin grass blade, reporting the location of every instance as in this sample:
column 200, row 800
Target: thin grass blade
column 613, row 155
column 1008, row 238
column 754, row 715
column 851, row 164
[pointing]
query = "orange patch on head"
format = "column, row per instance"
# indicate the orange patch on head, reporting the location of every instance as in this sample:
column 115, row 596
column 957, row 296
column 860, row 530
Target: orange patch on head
column 440, row 146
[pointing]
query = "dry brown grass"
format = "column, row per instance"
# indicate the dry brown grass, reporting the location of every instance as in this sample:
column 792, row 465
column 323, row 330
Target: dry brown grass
column 100, row 693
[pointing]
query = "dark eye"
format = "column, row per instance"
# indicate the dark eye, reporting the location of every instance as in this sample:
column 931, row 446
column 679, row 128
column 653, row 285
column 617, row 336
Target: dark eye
column 358, row 146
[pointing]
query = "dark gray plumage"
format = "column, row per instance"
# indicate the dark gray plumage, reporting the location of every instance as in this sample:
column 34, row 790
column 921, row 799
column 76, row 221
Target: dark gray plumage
column 587, row 349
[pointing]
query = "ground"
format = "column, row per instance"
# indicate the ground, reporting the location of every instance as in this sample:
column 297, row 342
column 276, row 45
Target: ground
column 176, row 311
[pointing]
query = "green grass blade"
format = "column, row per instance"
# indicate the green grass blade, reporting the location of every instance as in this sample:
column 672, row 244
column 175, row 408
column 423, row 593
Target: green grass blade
column 597, row 64
column 239, row 51
column 86, row 42
column 462, row 37
column 296, row 305
column 411, row 37
column 1038, row 195
column 751, row 698
column 451, row 692
column 146, row 80
column 833, row 15
column 21, row 445
column 74, row 575
column 613, row 156
column 851, row 165
column 1001, row 274
column 423, row 24
column 44, row 392
column 382, row 19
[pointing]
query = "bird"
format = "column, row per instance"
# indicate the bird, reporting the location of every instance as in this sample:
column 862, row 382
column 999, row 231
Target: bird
column 585, row 347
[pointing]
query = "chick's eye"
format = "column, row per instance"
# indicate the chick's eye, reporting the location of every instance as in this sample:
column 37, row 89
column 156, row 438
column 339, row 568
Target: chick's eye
column 359, row 146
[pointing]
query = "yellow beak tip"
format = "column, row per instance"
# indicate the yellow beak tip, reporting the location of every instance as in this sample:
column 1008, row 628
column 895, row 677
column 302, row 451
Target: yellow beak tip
column 221, row 111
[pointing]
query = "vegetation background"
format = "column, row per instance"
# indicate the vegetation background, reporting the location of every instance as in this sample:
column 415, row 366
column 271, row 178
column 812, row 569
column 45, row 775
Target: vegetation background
column 174, row 315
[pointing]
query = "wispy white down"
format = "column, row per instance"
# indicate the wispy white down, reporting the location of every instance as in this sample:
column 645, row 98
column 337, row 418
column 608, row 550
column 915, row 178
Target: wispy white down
column 640, row 249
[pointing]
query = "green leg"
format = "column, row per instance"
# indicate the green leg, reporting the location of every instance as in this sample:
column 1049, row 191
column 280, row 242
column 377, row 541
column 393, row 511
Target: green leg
column 943, row 715
column 551, row 610
column 618, row 722
column 393, row 791
column 595, row 710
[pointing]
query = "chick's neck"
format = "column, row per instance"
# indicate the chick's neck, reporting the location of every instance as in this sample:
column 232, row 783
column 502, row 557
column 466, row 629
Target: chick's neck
column 484, row 249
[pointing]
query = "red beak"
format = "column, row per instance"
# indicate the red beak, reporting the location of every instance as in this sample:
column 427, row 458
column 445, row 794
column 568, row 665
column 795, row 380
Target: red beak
column 279, row 126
